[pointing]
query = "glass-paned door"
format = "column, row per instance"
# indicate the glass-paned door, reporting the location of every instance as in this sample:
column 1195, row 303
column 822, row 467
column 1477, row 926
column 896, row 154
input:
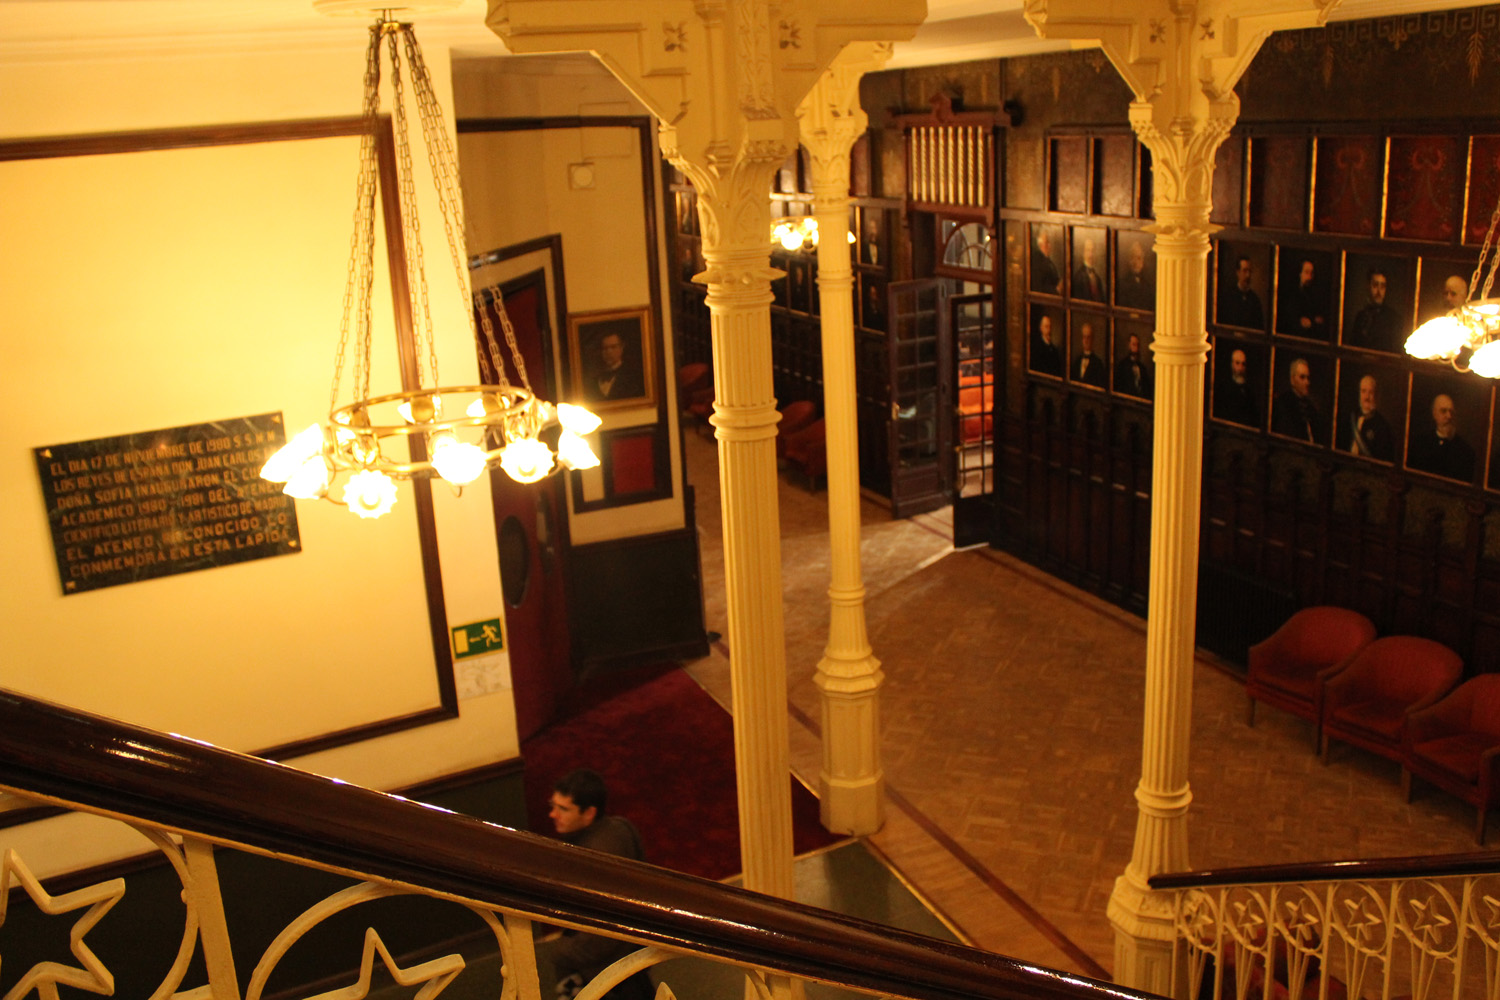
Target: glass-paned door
column 972, row 457
column 919, row 428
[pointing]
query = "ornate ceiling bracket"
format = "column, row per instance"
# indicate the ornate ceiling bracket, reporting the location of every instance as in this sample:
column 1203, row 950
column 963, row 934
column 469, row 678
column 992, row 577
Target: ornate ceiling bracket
column 1181, row 60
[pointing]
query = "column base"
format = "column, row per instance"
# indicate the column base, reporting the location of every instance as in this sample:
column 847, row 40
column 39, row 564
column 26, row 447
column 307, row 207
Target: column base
column 852, row 806
column 1145, row 934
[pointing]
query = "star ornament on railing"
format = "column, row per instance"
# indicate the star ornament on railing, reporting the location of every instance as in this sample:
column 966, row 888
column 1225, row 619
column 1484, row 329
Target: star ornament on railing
column 1492, row 921
column 1248, row 918
column 44, row 977
column 434, row 975
column 1427, row 921
column 1302, row 921
column 1360, row 920
column 1197, row 920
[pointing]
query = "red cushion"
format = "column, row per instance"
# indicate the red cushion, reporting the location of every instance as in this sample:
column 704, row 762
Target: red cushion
column 1380, row 720
column 1458, row 754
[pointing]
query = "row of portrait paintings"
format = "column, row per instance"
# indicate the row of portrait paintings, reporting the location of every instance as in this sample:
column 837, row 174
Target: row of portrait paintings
column 1089, row 353
column 1365, row 301
column 1433, row 422
column 1440, row 423
column 1074, row 261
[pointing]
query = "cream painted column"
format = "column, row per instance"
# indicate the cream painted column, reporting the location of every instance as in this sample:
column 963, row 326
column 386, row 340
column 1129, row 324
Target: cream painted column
column 724, row 78
column 1181, row 60
column 851, row 784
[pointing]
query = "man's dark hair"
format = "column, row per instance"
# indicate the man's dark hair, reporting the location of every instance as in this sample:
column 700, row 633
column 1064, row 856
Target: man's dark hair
column 584, row 787
column 1370, row 274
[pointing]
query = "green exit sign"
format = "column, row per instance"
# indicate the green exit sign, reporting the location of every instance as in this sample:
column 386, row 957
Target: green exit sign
column 476, row 638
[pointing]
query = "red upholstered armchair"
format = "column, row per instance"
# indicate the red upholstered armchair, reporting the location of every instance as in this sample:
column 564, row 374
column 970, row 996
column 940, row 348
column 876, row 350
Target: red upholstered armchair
column 695, row 392
column 794, row 417
column 1367, row 702
column 807, row 451
column 1289, row 668
column 1455, row 745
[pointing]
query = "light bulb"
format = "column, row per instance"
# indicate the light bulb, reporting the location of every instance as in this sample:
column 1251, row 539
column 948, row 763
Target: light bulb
column 289, row 457
column 369, row 493
column 405, row 409
column 476, row 408
column 1442, row 337
column 574, row 452
column 455, row 460
column 1486, row 360
column 577, row 419
column 526, row 460
column 791, row 238
column 310, row 481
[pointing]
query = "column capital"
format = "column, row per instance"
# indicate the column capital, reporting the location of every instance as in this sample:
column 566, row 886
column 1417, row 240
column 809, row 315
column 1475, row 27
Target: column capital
column 831, row 118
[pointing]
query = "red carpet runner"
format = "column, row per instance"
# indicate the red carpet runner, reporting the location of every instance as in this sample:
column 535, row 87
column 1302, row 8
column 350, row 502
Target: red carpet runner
column 666, row 752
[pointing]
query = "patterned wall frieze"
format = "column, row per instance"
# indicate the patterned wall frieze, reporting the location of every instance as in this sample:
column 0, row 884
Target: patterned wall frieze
column 1455, row 53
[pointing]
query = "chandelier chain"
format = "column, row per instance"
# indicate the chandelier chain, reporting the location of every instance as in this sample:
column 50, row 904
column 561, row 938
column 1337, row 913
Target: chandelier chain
column 362, row 240
column 1489, row 252
column 490, row 344
column 416, row 267
column 442, row 159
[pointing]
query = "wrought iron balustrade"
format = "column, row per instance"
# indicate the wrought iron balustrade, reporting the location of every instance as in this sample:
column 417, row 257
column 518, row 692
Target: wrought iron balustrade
column 191, row 800
column 1414, row 928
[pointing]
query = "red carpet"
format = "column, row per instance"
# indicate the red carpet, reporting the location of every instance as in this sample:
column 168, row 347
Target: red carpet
column 666, row 752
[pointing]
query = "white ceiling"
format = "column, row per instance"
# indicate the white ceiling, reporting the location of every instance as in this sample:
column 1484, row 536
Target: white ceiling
column 955, row 31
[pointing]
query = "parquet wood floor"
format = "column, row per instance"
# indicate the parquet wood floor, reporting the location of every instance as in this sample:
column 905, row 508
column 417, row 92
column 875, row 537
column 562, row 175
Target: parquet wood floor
column 1011, row 736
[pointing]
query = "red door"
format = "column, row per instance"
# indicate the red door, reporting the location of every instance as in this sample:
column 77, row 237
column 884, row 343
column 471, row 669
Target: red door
column 531, row 530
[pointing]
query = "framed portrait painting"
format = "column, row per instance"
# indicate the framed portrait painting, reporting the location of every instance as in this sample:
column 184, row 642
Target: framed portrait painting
column 613, row 358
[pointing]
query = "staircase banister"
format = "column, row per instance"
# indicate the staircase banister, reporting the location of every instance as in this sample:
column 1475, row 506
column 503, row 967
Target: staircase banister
column 1367, row 870
column 79, row 760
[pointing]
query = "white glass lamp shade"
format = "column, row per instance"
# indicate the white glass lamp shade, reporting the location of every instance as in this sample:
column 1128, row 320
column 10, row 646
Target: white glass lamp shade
column 291, row 456
column 577, row 419
column 574, row 452
column 1486, row 360
column 1442, row 337
column 310, row 481
column 526, row 460
column 455, row 460
column 369, row 493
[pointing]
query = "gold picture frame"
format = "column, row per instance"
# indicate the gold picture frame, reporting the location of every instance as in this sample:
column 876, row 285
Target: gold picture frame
column 617, row 341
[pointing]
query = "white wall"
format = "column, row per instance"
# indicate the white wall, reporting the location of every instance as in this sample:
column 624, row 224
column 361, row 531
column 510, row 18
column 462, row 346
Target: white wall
column 150, row 290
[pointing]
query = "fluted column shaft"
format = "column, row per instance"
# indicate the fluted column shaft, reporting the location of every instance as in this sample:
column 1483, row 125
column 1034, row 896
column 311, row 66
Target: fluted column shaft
column 851, row 783
column 745, row 417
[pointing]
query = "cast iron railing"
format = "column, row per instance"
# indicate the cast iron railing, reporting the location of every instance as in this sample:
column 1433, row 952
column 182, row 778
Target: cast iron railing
column 1418, row 928
column 189, row 800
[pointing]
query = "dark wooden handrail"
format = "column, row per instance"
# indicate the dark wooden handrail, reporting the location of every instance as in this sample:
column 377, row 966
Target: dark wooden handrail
column 1372, row 869
column 80, row 759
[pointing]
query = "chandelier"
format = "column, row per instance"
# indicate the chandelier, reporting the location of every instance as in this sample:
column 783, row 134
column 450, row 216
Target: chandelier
column 797, row 232
column 1468, row 336
column 455, row 433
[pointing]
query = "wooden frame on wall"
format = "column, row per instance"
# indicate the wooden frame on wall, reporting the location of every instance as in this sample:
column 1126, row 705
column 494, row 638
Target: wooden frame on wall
column 270, row 135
